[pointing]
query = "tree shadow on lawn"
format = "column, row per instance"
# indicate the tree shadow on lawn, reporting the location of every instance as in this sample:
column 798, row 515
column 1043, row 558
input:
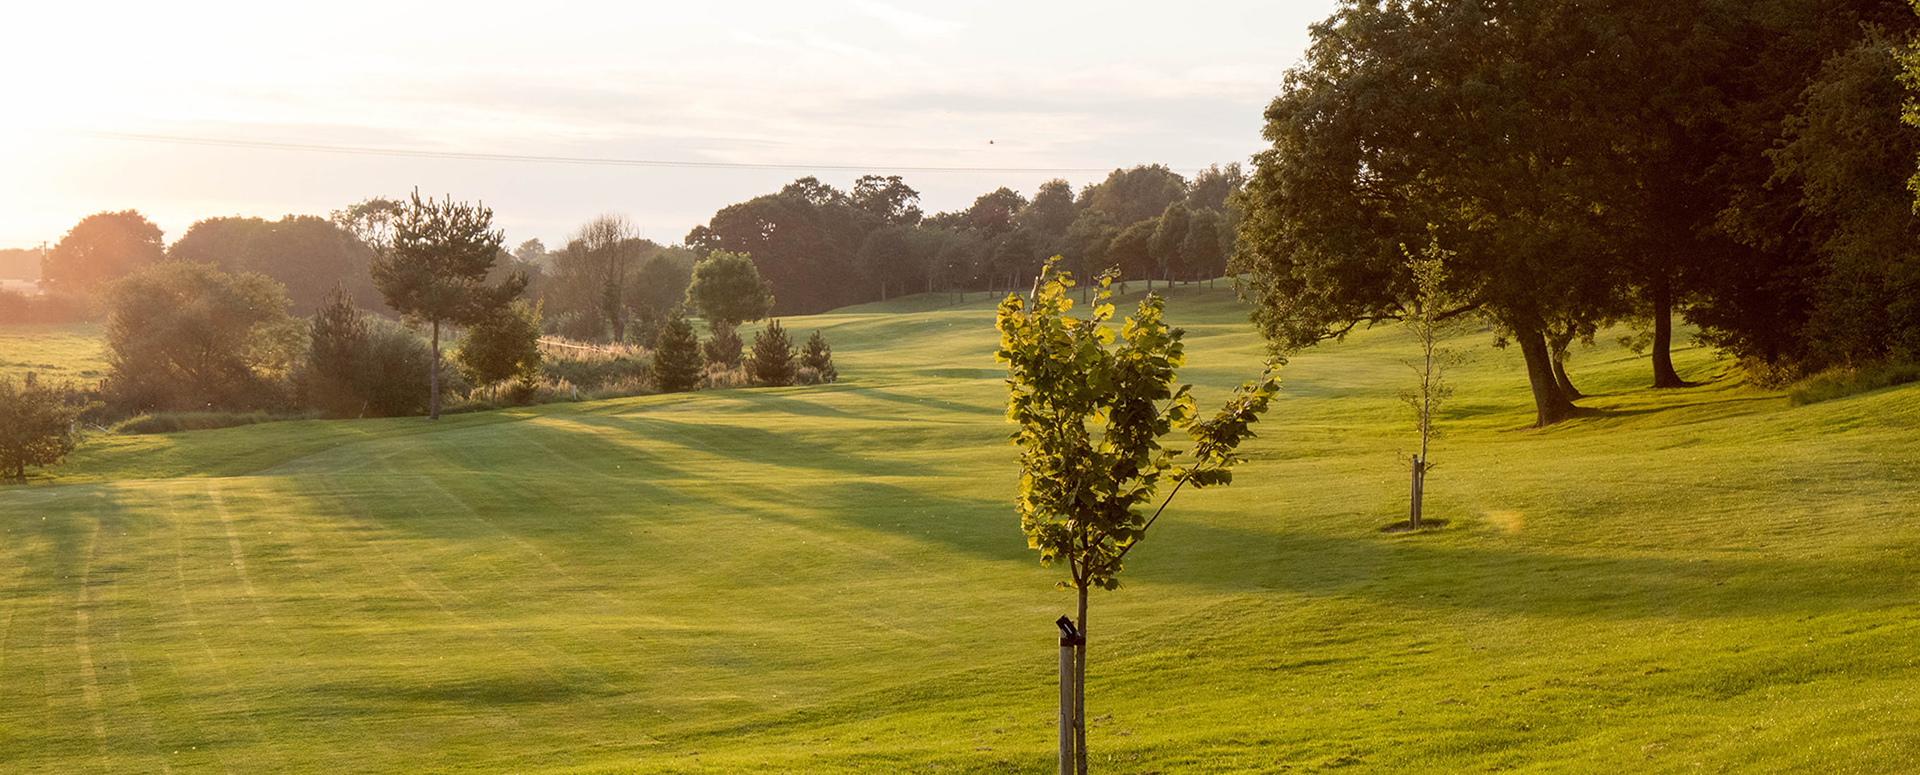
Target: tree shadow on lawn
column 992, row 410
column 377, row 696
column 1413, row 571
column 749, row 445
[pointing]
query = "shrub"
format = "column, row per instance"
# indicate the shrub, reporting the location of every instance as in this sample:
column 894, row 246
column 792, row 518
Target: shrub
column 175, row 422
column 17, row 307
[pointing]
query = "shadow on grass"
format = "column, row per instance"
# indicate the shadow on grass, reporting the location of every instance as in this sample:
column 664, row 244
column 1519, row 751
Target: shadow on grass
column 1418, row 571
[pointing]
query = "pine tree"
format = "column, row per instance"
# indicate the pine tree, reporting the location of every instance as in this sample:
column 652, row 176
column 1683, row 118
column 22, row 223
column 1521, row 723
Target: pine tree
column 819, row 357
column 723, row 348
column 773, row 364
column 676, row 364
column 339, row 340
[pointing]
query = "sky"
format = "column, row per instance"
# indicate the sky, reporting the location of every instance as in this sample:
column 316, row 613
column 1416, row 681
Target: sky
column 190, row 110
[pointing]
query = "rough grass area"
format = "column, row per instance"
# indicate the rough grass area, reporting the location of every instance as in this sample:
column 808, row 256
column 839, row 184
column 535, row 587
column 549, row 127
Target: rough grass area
column 65, row 352
column 831, row 579
column 175, row 422
column 1840, row 383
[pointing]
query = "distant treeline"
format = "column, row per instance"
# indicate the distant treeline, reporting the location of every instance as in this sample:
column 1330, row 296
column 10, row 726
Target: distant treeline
column 824, row 248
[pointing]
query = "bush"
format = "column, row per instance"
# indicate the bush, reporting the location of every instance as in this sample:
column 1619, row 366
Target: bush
column 573, row 325
column 17, row 307
column 1840, row 383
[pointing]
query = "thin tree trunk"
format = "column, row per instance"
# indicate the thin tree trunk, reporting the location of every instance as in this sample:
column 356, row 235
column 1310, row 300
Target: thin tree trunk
column 1663, row 374
column 1080, row 688
column 1419, row 492
column 433, row 377
column 1549, row 404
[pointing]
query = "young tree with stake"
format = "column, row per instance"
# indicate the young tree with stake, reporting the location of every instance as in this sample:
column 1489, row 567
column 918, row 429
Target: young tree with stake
column 1090, row 421
column 1425, row 317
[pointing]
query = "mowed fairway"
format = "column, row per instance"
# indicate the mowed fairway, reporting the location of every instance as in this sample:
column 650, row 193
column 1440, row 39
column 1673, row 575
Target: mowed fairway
column 832, row 579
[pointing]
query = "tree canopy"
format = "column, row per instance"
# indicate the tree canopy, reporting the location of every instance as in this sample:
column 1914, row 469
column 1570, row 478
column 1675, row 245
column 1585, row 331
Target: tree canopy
column 727, row 289
column 1582, row 163
column 184, row 336
column 307, row 254
column 101, row 248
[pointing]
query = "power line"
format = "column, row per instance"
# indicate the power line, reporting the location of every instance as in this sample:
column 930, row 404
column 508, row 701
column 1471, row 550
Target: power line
column 527, row 158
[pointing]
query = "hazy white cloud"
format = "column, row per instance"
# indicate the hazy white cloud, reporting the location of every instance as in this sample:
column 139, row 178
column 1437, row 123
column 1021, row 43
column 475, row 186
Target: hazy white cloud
column 910, row 23
column 855, row 82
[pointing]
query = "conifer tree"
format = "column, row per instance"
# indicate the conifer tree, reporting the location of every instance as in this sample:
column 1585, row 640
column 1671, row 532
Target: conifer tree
column 773, row 364
column 338, row 344
column 437, row 269
column 677, row 365
column 724, row 347
column 819, row 357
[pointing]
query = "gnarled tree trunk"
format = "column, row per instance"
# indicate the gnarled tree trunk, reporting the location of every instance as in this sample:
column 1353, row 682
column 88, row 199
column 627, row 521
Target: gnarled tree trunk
column 1550, row 404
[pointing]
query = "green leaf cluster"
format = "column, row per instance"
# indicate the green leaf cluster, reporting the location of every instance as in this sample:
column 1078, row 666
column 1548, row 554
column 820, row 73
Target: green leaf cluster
column 1091, row 411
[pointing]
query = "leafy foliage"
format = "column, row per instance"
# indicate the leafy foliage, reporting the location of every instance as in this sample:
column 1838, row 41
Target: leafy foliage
column 309, row 255
column 504, row 345
column 1090, row 421
column 38, row 424
column 723, row 347
column 337, row 347
column 728, row 291
column 773, row 363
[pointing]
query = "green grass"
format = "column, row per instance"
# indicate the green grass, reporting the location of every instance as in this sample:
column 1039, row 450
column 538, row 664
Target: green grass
column 59, row 352
column 831, row 579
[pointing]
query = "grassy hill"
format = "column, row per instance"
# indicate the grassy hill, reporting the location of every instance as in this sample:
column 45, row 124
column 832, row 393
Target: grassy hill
column 831, row 579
